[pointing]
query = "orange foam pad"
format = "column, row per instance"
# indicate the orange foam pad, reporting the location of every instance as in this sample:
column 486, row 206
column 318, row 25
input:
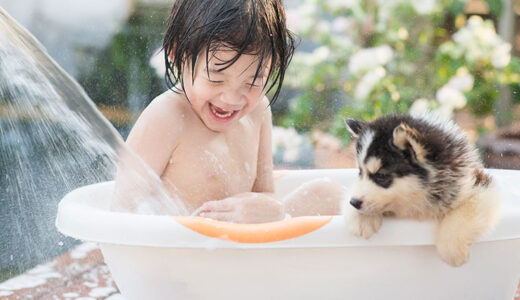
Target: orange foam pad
column 254, row 233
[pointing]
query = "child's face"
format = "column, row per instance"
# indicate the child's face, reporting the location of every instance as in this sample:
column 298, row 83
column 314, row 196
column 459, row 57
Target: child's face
column 222, row 98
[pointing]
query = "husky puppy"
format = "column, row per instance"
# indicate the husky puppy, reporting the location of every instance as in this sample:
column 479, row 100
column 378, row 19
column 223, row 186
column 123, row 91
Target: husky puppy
column 421, row 167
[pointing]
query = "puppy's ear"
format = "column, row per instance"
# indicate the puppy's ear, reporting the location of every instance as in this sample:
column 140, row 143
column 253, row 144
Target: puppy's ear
column 405, row 137
column 355, row 126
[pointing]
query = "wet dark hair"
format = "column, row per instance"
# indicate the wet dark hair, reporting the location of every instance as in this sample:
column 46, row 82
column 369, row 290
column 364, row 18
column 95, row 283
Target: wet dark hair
column 255, row 27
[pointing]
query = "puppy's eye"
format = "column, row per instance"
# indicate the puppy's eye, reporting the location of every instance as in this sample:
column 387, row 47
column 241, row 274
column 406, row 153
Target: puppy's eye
column 382, row 179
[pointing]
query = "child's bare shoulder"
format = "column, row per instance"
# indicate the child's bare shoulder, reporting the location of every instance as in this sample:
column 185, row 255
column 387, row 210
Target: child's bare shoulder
column 161, row 120
column 165, row 110
column 169, row 104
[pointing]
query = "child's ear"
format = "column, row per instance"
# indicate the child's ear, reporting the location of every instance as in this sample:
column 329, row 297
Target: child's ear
column 355, row 126
column 405, row 137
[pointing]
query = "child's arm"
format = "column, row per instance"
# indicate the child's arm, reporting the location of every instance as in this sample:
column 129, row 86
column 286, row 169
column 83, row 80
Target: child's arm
column 264, row 182
column 156, row 132
column 153, row 138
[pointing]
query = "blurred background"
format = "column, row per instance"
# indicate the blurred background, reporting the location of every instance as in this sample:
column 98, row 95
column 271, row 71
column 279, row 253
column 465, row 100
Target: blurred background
column 356, row 58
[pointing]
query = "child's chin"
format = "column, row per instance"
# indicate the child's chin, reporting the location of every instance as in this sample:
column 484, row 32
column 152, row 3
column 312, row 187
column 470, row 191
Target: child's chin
column 218, row 127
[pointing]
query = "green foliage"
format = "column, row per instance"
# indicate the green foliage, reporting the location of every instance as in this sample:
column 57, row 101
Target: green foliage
column 514, row 86
column 495, row 7
column 122, row 70
column 372, row 58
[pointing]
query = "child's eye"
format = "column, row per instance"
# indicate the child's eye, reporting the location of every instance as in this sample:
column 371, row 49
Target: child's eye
column 215, row 81
column 251, row 85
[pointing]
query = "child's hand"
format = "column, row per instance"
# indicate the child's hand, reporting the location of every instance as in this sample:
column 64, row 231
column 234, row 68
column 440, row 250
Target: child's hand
column 244, row 208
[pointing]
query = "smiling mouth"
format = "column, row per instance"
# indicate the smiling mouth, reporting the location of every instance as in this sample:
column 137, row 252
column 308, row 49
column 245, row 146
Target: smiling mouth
column 221, row 114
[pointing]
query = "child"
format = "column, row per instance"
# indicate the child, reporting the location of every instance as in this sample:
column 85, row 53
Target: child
column 209, row 137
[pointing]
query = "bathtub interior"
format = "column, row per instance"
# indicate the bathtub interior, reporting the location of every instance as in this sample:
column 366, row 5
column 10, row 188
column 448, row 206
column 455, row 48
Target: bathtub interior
column 84, row 214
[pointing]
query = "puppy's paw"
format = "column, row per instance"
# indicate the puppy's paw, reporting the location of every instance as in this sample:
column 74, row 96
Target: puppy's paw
column 453, row 253
column 364, row 226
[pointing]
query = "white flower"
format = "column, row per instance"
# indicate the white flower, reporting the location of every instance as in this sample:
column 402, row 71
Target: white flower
column 423, row 7
column 293, row 19
column 451, row 49
column 369, row 59
column 450, row 97
column 321, row 28
column 444, row 111
column 501, row 56
column 420, row 106
column 341, row 43
column 462, row 81
column 336, row 5
column 277, row 137
column 157, row 62
column 302, row 20
column 340, row 24
column 291, row 155
column 368, row 82
column 320, row 54
column 302, row 68
column 288, row 140
column 475, row 22
column 474, row 52
column 486, row 36
column 402, row 33
column 463, row 37
column 478, row 40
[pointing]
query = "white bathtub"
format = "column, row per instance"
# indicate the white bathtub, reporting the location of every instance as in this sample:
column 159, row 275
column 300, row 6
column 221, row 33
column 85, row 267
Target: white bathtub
column 155, row 257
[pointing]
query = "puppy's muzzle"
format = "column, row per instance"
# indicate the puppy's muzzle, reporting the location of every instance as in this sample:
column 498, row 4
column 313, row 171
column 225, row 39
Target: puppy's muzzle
column 356, row 203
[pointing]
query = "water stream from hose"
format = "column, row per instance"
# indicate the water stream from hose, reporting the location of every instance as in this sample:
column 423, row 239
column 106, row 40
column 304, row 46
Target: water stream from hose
column 53, row 140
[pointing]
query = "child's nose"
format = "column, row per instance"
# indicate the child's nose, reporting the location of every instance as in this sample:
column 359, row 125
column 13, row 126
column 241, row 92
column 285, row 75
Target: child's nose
column 232, row 100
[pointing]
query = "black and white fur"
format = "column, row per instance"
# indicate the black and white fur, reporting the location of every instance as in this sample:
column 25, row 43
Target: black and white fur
column 421, row 167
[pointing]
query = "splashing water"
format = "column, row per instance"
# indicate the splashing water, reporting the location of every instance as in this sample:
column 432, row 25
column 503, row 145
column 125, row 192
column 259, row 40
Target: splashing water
column 52, row 140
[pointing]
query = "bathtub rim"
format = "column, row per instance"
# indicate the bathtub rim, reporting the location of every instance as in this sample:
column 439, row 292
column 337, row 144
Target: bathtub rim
column 79, row 217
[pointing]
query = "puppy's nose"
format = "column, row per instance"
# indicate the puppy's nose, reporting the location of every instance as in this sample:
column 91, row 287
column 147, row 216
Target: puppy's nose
column 356, row 203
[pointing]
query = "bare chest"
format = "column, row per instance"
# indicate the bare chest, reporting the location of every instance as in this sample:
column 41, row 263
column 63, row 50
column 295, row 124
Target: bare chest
column 212, row 168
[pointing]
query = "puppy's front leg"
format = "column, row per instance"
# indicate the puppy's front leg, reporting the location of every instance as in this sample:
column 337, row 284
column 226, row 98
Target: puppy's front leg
column 463, row 225
column 452, row 242
column 362, row 225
